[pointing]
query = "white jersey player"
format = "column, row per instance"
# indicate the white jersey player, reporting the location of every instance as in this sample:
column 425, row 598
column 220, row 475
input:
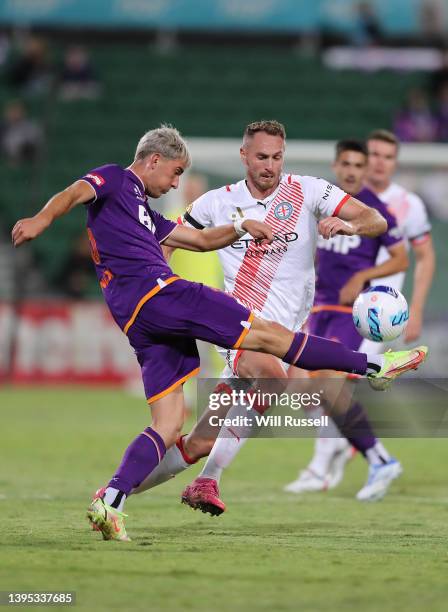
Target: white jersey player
column 412, row 219
column 413, row 223
column 260, row 277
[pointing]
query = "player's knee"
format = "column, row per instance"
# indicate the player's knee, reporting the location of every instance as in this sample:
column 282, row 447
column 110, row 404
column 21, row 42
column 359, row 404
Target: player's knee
column 257, row 365
column 169, row 432
column 270, row 331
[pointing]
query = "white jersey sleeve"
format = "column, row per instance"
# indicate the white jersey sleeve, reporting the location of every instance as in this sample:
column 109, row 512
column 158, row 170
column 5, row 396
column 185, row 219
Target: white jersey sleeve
column 412, row 220
column 199, row 214
column 324, row 198
column 416, row 225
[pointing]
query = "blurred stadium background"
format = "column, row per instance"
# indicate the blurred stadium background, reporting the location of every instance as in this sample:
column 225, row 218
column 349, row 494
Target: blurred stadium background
column 86, row 79
column 83, row 79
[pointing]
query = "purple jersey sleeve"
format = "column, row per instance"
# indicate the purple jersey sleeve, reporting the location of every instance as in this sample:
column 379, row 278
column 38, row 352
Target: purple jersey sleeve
column 105, row 180
column 163, row 226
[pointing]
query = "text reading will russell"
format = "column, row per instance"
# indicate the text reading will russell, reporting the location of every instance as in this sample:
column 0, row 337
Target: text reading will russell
column 268, row 420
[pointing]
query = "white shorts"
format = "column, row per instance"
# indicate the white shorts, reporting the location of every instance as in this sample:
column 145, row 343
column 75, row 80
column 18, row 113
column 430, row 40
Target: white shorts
column 231, row 358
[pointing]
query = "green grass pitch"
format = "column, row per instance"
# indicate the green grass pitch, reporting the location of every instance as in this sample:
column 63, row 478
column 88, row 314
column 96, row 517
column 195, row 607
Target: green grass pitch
column 270, row 551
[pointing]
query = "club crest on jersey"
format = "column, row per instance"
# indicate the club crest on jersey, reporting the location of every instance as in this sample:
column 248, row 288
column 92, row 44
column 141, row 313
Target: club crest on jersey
column 283, row 211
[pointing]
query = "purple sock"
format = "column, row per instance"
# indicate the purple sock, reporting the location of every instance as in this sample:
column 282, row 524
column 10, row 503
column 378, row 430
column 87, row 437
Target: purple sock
column 316, row 353
column 139, row 460
column 355, row 426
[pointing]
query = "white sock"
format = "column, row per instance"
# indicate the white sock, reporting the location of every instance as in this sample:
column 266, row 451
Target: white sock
column 374, row 363
column 173, row 463
column 222, row 454
column 377, row 455
column 114, row 498
column 324, row 450
column 228, row 444
column 328, row 442
column 331, row 431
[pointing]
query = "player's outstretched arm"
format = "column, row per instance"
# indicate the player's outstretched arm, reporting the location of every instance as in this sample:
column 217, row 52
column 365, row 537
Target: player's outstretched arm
column 354, row 218
column 60, row 204
column 214, row 238
column 425, row 263
column 397, row 262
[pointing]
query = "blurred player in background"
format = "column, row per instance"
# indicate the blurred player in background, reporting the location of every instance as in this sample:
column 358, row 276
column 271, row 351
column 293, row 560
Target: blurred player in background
column 270, row 285
column 413, row 224
column 344, row 268
column 412, row 220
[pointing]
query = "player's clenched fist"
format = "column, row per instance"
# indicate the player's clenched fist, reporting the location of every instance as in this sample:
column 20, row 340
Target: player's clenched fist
column 258, row 230
column 333, row 225
column 27, row 229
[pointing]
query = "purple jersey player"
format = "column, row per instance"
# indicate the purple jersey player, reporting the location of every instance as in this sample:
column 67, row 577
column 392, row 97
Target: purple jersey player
column 163, row 315
column 345, row 265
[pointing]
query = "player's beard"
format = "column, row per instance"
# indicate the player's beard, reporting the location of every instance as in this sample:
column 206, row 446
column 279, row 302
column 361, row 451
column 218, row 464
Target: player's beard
column 265, row 183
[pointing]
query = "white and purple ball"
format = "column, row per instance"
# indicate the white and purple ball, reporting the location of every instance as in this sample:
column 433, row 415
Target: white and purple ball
column 380, row 313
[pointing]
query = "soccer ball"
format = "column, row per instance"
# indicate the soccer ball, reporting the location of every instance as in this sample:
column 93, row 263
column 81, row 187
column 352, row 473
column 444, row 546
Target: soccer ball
column 380, row 313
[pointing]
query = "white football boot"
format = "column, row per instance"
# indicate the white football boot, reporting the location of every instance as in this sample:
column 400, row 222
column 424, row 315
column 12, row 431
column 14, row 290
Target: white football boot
column 307, row 482
column 379, row 480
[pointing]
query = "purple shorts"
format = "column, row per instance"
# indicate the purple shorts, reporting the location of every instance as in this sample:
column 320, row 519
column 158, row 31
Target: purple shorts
column 335, row 325
column 167, row 326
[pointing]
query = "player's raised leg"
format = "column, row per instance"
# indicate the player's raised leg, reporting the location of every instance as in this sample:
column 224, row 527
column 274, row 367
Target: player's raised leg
column 316, row 353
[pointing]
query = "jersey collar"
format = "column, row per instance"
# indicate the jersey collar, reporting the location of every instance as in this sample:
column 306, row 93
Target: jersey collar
column 265, row 203
column 138, row 179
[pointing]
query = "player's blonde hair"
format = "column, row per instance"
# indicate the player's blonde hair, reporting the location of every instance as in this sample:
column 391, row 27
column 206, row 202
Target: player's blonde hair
column 165, row 140
column 384, row 136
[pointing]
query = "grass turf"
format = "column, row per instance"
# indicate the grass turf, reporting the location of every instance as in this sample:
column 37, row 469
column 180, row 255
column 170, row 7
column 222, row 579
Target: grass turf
column 270, row 551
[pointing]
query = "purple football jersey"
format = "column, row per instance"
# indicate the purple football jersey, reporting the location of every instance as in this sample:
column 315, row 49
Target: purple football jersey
column 342, row 256
column 125, row 236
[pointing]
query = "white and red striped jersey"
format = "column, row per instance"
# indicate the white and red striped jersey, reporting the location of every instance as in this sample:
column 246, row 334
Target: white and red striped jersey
column 277, row 281
column 412, row 221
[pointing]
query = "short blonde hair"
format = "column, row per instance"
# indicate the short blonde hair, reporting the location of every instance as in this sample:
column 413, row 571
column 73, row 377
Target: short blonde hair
column 384, row 136
column 165, row 140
